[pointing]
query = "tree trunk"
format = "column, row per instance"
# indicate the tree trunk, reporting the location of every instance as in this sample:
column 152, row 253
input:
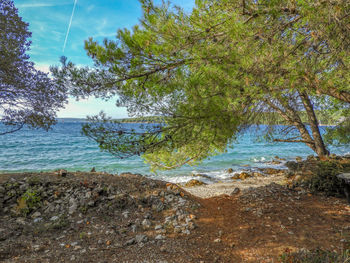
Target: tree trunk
column 321, row 149
column 293, row 118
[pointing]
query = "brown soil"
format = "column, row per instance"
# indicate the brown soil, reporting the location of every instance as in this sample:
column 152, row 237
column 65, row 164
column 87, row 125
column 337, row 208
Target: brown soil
column 284, row 223
column 257, row 225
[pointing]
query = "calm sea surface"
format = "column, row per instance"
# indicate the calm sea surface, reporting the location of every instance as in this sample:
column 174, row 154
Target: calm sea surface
column 65, row 147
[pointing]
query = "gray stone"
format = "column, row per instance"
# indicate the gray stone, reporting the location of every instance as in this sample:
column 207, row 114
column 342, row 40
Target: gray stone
column 54, row 218
column 159, row 237
column 141, row 238
column 146, row 223
column 235, row 191
column 73, row 206
column 36, row 214
column 38, row 219
column 345, row 177
column 130, row 242
column 158, row 227
column 125, row 214
column 186, row 231
column 159, row 207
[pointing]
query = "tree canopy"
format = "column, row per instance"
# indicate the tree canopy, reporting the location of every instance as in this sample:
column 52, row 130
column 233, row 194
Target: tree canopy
column 27, row 96
column 216, row 70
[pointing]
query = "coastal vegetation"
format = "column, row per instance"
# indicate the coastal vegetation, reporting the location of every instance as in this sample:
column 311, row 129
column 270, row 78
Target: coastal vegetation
column 213, row 72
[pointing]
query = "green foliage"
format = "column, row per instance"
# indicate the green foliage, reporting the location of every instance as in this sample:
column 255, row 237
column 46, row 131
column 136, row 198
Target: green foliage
column 32, row 198
column 325, row 179
column 29, row 201
column 214, row 71
column 339, row 134
column 315, row 256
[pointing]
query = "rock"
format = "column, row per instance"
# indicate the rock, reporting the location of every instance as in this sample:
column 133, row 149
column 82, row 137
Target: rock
column 73, row 206
column 218, row 240
column 62, row 173
column 235, row 191
column 38, row 219
column 54, row 218
column 159, row 207
column 162, row 249
column 298, row 178
column 141, row 238
column 36, row 214
column 130, row 242
column 158, row 227
column 292, row 165
column 201, row 175
column 186, row 231
column 194, row 182
column 244, row 175
column 229, row 171
column 272, row 171
column 93, row 170
column 235, row 177
column 146, row 223
column 159, row 237
column 125, row 214
column 298, row 159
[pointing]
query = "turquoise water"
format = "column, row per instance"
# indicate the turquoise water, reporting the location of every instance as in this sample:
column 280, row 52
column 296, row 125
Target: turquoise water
column 65, row 148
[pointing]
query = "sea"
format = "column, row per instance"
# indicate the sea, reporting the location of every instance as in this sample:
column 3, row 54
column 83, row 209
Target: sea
column 64, row 147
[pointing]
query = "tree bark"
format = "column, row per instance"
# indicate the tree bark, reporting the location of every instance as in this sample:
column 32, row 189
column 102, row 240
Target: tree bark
column 333, row 92
column 319, row 144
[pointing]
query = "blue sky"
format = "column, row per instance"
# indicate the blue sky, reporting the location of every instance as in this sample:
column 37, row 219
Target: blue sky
column 49, row 20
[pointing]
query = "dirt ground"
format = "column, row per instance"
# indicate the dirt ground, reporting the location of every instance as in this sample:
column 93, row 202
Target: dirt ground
column 256, row 225
column 259, row 230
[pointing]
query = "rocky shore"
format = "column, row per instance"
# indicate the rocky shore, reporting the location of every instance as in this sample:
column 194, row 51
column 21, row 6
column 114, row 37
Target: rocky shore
column 98, row 217
column 45, row 216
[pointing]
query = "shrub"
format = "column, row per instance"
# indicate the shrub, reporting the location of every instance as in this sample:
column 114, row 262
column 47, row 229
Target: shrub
column 325, row 178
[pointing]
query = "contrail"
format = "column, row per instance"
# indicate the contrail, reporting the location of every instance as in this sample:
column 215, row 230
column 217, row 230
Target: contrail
column 70, row 23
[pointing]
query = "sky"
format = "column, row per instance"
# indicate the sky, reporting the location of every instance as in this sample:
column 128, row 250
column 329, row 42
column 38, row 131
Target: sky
column 56, row 32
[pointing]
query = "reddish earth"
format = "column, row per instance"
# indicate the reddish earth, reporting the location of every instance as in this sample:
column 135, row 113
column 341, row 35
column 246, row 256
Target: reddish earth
column 284, row 222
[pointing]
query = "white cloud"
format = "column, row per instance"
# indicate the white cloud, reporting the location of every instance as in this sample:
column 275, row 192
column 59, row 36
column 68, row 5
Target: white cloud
column 91, row 106
column 42, row 67
column 42, row 4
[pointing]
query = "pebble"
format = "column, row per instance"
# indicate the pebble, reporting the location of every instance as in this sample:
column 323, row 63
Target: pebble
column 130, row 242
column 73, row 206
column 125, row 214
column 54, row 218
column 141, row 238
column 159, row 237
column 36, row 214
column 217, row 240
column 36, row 220
column 146, row 223
column 235, row 191
column 158, row 227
